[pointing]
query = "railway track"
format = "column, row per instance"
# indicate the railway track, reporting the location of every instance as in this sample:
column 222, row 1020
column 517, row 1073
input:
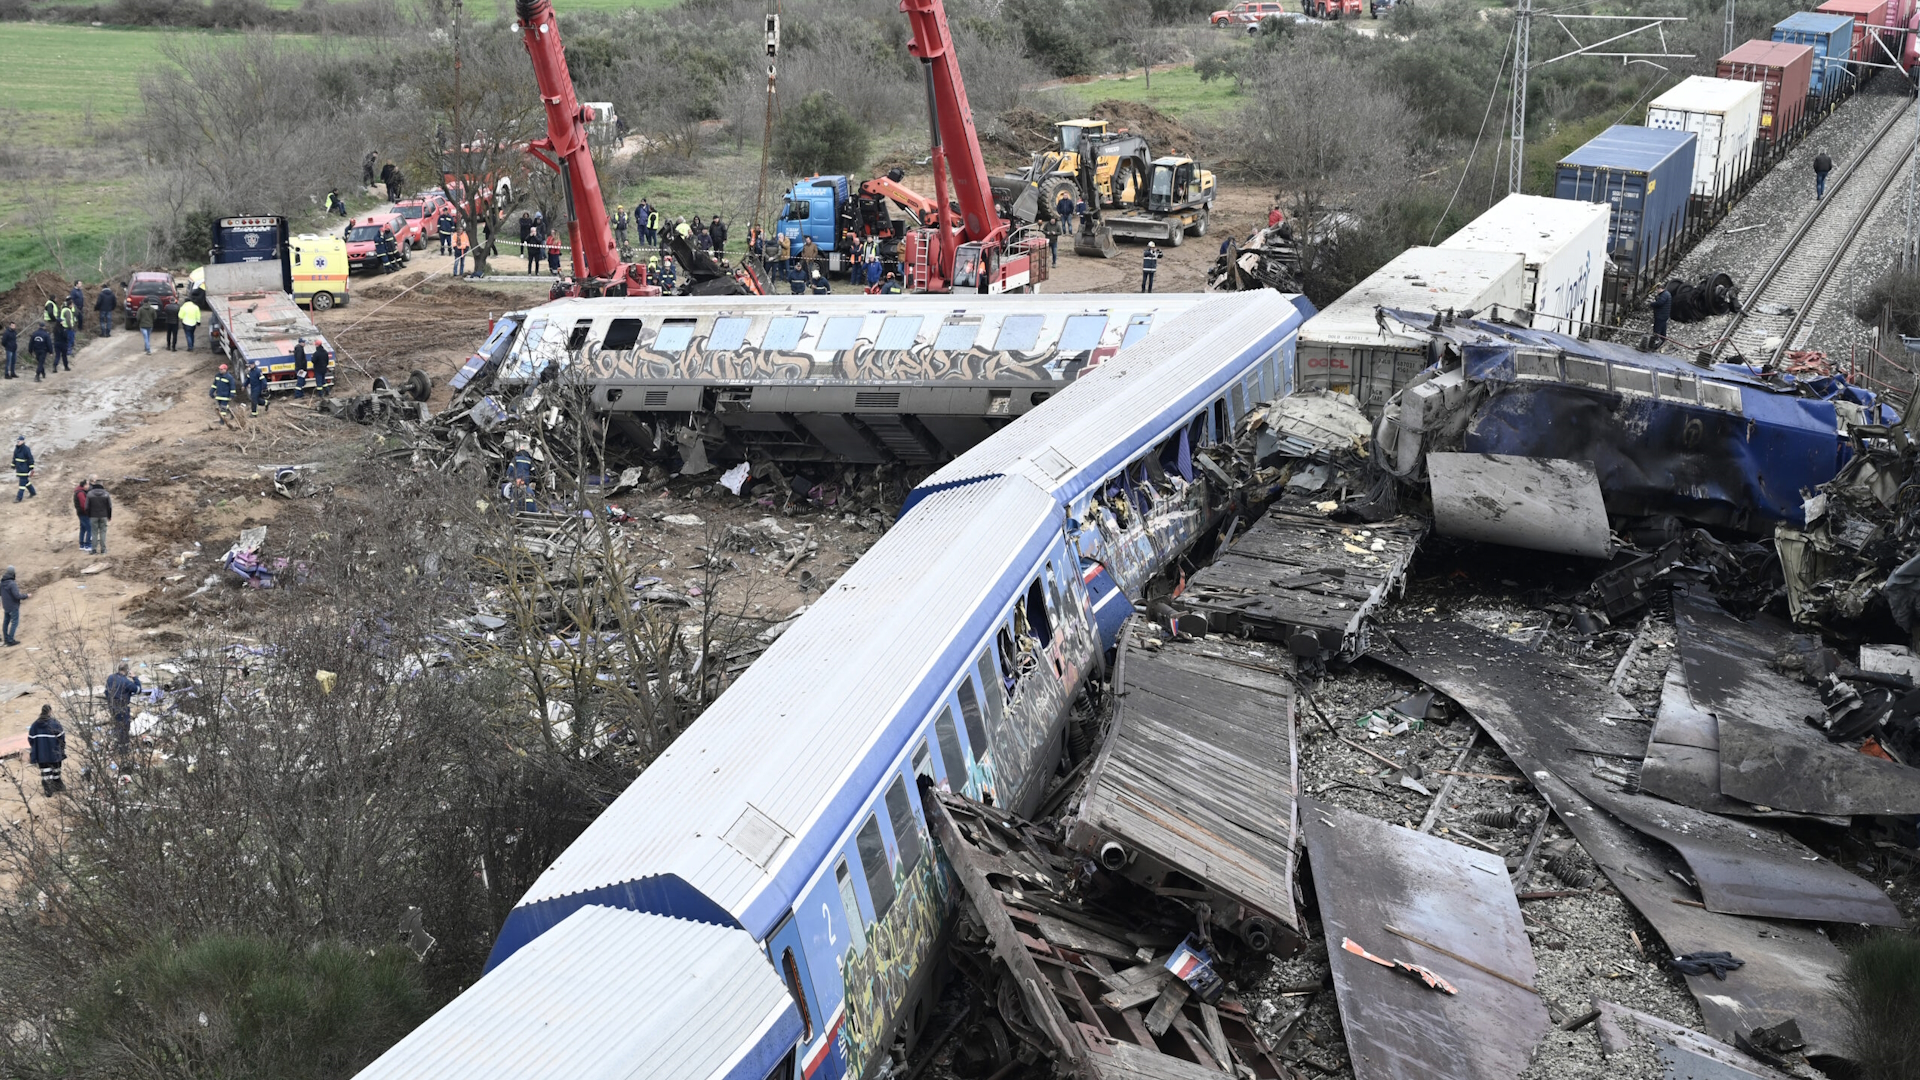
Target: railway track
column 1782, row 300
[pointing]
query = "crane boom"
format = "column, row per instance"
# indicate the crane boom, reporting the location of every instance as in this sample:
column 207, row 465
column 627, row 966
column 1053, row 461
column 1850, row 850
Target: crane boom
column 974, row 254
column 954, row 138
column 597, row 266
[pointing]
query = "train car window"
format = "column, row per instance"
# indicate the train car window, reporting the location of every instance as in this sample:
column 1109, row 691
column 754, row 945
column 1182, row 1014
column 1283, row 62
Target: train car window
column 970, row 714
column 1019, row 333
column 841, row 333
column 674, row 336
column 1037, row 614
column 856, row 926
column 873, row 859
column 578, row 338
column 1239, row 401
column 1005, row 735
column 898, row 334
column 1007, row 668
column 1222, row 430
column 790, row 968
column 621, row 334
column 784, row 1069
column 1082, row 333
column 906, row 832
column 952, row 757
column 923, row 760
column 1137, row 328
column 784, row 333
column 956, row 336
column 728, row 333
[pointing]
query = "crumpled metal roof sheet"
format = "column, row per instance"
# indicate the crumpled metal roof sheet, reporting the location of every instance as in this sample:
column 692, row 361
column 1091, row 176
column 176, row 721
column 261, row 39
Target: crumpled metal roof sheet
column 610, row 995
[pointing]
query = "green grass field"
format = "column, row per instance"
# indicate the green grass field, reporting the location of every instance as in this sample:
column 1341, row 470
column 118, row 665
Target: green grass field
column 57, row 69
column 1178, row 93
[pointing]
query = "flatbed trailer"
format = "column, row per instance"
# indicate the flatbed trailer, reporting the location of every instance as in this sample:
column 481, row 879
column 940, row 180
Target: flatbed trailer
column 260, row 329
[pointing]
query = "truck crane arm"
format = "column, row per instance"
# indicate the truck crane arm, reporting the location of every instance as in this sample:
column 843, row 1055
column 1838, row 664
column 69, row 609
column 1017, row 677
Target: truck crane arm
column 596, row 258
column 954, row 138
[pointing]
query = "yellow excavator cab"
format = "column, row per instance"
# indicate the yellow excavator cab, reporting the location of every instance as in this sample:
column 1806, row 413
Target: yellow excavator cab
column 1073, row 131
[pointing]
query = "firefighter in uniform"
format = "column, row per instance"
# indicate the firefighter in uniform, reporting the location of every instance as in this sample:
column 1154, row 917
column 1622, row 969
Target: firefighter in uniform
column 222, row 394
column 521, row 497
column 23, row 469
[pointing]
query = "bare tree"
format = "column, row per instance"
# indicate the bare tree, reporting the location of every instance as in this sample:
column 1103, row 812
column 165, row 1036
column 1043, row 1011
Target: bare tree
column 477, row 107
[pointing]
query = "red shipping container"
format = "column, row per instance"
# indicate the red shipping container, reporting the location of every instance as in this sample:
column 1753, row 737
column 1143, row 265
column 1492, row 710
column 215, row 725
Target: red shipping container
column 1865, row 13
column 1783, row 71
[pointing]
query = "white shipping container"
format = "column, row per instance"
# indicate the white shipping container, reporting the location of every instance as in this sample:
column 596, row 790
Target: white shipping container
column 1564, row 243
column 1725, row 114
column 1347, row 348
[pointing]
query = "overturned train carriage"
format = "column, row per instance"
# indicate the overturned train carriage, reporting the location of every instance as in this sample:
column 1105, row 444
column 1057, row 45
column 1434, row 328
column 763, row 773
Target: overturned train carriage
column 854, row 378
column 783, row 836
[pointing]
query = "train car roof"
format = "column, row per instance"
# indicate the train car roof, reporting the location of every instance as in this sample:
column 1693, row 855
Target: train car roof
column 730, row 822
column 1083, row 433
column 610, row 995
column 848, row 337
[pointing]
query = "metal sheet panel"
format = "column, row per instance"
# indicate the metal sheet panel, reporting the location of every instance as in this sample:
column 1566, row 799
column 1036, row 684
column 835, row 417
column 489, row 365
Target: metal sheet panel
column 1370, row 875
column 1768, row 754
column 610, row 995
column 1542, row 504
column 1546, row 715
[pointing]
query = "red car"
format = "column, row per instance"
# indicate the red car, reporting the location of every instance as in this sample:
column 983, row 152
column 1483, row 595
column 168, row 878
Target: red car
column 144, row 286
column 421, row 212
column 1247, row 14
column 377, row 242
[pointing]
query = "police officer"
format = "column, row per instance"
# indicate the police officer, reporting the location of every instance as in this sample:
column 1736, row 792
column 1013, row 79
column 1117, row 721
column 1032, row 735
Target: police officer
column 1149, row 264
column 23, row 468
column 222, row 394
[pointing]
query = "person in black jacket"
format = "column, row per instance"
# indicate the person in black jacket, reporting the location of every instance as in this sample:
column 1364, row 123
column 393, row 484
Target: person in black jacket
column 40, row 344
column 47, row 748
column 10, row 596
column 106, row 304
column 1822, row 165
column 718, row 230
column 10, row 343
column 321, row 361
column 99, row 512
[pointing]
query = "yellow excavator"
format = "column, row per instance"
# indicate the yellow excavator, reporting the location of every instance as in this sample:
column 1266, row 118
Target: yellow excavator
column 1128, row 192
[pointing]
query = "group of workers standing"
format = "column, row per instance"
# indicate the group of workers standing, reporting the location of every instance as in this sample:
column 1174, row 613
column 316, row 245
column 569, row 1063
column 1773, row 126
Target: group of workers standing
column 56, row 338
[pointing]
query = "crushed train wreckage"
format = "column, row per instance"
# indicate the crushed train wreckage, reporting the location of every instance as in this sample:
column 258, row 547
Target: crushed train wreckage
column 1119, row 932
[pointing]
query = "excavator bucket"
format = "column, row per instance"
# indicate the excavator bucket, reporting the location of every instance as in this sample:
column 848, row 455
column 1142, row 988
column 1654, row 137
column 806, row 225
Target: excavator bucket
column 1026, row 207
column 1095, row 244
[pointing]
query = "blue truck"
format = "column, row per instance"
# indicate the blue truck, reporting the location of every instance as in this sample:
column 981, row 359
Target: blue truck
column 814, row 211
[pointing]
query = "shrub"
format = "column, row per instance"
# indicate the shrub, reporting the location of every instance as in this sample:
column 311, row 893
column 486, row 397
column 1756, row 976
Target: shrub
column 1881, row 987
column 818, row 135
column 236, row 1005
column 1898, row 289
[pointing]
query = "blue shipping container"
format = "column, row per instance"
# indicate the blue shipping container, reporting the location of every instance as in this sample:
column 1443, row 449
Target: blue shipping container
column 1830, row 35
column 1646, row 174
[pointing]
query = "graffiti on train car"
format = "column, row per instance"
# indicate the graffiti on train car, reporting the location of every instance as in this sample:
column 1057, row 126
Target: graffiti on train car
column 898, row 945
column 923, row 361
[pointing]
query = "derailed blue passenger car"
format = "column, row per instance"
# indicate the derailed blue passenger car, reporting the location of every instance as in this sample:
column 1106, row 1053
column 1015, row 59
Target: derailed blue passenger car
column 1725, row 445
column 787, row 820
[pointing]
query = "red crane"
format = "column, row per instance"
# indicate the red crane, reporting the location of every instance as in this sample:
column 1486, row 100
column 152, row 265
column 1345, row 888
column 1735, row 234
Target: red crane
column 597, row 267
column 972, row 255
